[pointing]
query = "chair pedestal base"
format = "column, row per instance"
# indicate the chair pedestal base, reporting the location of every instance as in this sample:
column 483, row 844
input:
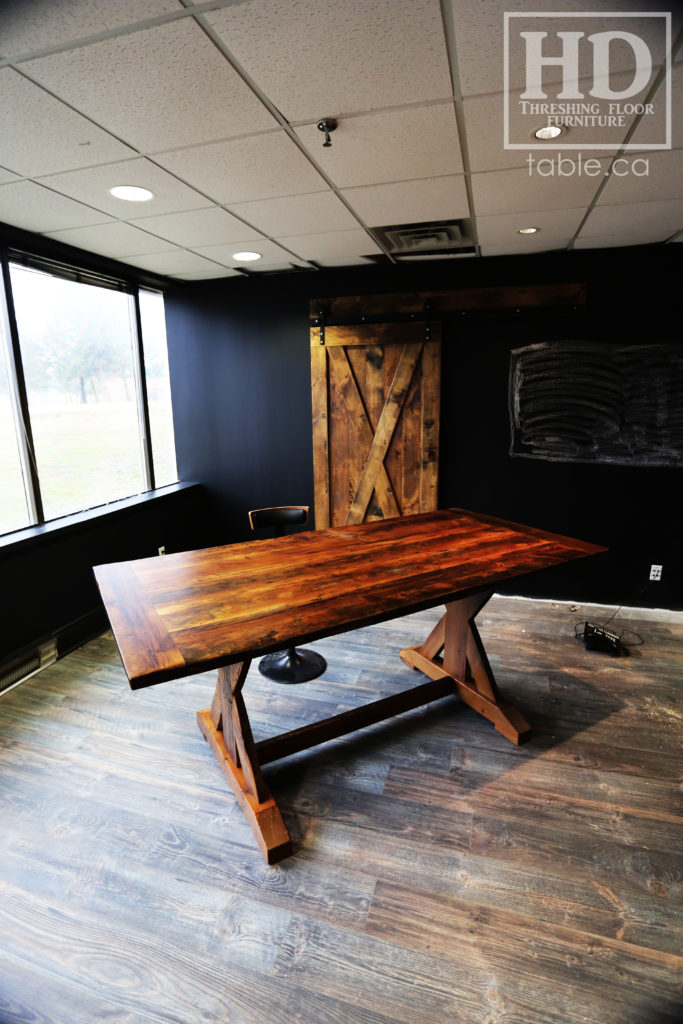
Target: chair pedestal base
column 295, row 665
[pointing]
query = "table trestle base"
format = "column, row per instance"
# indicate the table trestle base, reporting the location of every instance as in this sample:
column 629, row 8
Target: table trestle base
column 243, row 771
column 465, row 664
column 463, row 669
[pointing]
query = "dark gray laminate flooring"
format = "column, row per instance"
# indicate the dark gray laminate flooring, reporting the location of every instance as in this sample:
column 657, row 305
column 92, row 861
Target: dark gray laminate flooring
column 440, row 874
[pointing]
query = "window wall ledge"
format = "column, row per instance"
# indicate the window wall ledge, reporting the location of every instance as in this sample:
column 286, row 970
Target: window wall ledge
column 31, row 536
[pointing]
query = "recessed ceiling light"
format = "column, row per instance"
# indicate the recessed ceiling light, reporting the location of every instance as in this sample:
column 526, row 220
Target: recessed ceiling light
column 246, row 257
column 527, row 231
column 132, row 193
column 549, row 131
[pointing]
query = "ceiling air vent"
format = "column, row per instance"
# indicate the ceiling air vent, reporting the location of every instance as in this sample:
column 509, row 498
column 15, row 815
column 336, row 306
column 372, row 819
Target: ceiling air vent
column 444, row 239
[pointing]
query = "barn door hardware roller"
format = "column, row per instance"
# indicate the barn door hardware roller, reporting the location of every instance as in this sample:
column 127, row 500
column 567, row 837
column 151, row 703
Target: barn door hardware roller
column 428, row 326
column 319, row 321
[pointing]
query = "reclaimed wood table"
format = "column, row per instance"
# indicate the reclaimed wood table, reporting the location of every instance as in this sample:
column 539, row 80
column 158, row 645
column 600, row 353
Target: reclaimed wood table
column 220, row 607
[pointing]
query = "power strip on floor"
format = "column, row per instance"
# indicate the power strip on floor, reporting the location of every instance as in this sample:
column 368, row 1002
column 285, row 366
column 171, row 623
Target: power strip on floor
column 597, row 638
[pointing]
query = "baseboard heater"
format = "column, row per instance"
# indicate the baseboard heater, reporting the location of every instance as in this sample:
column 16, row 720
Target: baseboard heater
column 45, row 650
column 25, row 664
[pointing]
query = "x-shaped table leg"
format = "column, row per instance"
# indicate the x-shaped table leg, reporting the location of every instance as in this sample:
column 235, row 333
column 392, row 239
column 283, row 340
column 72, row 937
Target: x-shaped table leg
column 464, row 661
column 226, row 727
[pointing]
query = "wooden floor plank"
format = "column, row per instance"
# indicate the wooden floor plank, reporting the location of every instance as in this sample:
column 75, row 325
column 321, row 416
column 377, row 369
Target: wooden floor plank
column 406, row 984
column 555, row 963
column 28, row 995
column 439, row 873
column 616, row 907
column 152, row 974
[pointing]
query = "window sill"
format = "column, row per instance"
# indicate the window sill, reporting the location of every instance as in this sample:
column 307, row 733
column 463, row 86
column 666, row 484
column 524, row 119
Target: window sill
column 10, row 543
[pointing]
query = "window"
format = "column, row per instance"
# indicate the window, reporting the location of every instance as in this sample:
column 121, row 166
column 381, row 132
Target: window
column 158, row 386
column 13, row 508
column 85, row 407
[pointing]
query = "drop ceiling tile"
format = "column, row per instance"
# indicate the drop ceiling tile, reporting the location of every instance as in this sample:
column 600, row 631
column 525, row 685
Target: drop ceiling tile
column 531, row 244
column 27, row 26
column 345, row 261
column 650, row 221
column 486, row 134
column 276, row 267
column 166, row 86
column 626, row 238
column 7, row 175
column 652, row 126
column 211, row 226
column 480, row 36
column 525, row 189
column 479, row 43
column 319, row 211
column 410, row 202
column 270, row 251
column 115, row 239
column 397, row 145
column 503, row 229
column 40, row 135
column 91, row 185
column 331, row 244
column 207, row 275
column 34, row 208
column 644, row 175
column 239, row 170
column 318, row 59
column 179, row 263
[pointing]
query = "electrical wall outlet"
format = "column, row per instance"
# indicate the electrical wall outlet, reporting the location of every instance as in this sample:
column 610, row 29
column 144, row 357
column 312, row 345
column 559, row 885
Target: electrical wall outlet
column 655, row 572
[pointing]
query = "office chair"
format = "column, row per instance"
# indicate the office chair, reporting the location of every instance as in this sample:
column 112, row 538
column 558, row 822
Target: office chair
column 296, row 664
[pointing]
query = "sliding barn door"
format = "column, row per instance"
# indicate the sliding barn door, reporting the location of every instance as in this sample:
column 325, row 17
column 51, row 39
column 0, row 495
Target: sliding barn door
column 376, row 391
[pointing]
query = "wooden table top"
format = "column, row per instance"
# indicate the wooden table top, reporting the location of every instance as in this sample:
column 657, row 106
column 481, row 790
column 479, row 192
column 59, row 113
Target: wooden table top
column 184, row 613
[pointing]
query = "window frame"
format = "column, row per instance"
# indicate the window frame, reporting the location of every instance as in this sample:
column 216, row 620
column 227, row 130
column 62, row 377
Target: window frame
column 83, row 274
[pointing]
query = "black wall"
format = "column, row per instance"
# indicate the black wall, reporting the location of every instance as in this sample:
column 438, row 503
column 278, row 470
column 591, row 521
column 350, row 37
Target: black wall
column 240, row 374
column 47, row 586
